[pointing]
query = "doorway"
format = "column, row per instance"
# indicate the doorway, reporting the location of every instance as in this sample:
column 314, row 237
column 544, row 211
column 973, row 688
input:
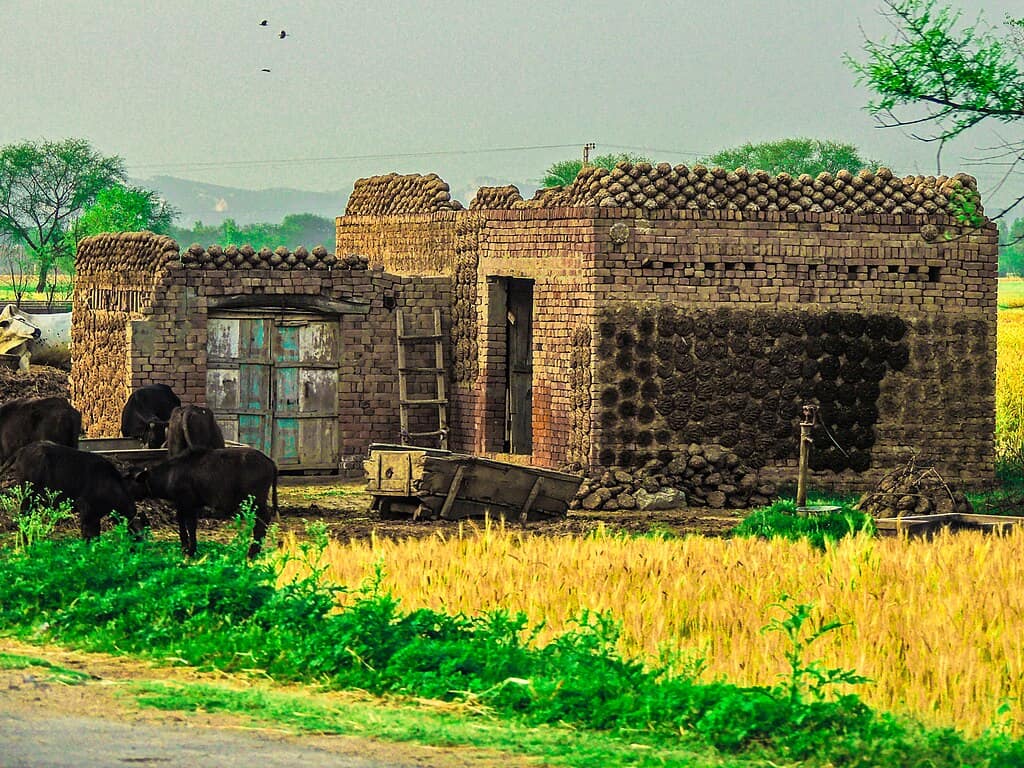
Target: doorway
column 518, row 365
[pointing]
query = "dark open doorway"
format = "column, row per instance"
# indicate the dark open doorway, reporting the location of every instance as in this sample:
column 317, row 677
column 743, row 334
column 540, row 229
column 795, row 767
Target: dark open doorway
column 518, row 365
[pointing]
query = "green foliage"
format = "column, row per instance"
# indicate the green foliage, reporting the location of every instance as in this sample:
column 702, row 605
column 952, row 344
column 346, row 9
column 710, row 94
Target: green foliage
column 965, row 204
column 37, row 516
column 294, row 230
column 780, row 520
column 958, row 74
column 222, row 611
column 1011, row 248
column 44, row 186
column 807, row 680
column 794, row 156
column 123, row 208
column 565, row 172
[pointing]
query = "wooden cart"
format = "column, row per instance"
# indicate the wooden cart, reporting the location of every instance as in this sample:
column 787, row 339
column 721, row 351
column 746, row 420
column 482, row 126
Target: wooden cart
column 431, row 483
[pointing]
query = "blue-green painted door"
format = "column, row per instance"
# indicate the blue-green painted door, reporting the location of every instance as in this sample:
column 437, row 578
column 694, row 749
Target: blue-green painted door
column 272, row 381
column 305, row 431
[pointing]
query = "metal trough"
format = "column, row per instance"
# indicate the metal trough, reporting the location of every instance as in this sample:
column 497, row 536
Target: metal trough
column 131, row 449
column 928, row 525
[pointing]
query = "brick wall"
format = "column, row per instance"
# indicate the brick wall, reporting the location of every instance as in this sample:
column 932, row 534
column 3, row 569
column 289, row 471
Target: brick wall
column 156, row 321
column 587, row 262
column 940, row 406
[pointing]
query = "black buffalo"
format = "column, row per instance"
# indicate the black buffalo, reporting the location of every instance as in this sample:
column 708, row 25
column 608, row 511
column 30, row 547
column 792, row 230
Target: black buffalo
column 192, row 428
column 29, row 419
column 147, row 412
column 91, row 482
column 220, row 479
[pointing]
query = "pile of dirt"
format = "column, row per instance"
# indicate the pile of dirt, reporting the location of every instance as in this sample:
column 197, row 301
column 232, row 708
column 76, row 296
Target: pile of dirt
column 38, row 381
column 913, row 490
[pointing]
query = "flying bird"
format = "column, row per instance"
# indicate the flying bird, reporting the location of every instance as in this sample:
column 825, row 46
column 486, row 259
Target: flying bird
column 263, row 23
column 283, row 35
column 264, row 70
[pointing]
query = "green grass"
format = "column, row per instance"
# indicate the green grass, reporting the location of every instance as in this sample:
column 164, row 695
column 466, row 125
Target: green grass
column 781, row 520
column 442, row 727
column 57, row 674
column 1006, row 498
column 220, row 611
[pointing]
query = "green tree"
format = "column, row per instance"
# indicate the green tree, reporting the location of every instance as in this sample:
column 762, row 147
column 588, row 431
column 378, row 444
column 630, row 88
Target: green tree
column 1011, row 250
column 44, row 186
column 294, row 230
column 794, row 156
column 122, row 208
column 943, row 77
column 563, row 173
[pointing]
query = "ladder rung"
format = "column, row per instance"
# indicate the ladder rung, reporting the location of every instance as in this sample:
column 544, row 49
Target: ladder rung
column 432, row 337
column 441, row 401
column 421, row 370
column 435, row 433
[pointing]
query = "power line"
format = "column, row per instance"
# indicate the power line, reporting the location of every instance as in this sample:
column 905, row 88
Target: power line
column 345, row 158
column 687, row 152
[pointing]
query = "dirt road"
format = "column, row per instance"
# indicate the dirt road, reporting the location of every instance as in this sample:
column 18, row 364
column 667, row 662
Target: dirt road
column 91, row 721
column 66, row 741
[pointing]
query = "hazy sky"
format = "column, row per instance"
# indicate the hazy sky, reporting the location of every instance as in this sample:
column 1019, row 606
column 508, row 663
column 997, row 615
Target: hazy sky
column 176, row 88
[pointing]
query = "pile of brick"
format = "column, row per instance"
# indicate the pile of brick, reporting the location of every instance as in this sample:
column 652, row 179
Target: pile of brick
column 913, row 490
column 496, row 197
column 247, row 257
column 700, row 476
column 662, row 186
column 398, row 193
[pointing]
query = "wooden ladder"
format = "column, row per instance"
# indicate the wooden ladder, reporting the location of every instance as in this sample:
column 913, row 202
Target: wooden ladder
column 441, row 401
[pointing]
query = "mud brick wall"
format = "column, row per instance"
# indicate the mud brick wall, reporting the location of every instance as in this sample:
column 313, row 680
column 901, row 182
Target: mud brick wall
column 937, row 403
column 115, row 282
column 405, row 244
column 163, row 339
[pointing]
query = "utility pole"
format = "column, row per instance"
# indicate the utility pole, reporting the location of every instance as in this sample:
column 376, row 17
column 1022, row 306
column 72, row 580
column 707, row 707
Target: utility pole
column 586, row 152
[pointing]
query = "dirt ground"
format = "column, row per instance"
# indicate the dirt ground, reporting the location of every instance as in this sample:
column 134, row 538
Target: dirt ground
column 44, row 712
column 345, row 508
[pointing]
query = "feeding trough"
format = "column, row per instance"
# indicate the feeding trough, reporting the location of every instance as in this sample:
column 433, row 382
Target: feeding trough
column 131, row 449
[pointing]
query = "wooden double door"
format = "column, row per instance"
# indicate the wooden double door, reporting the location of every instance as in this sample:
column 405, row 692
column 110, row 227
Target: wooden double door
column 272, row 381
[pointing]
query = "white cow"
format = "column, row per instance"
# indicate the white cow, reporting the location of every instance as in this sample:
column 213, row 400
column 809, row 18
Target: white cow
column 43, row 338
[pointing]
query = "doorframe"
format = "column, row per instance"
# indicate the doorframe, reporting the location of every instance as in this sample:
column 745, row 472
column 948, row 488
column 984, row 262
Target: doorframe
column 499, row 427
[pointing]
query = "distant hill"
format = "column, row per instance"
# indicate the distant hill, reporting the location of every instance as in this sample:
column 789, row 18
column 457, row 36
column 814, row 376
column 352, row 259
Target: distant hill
column 212, row 203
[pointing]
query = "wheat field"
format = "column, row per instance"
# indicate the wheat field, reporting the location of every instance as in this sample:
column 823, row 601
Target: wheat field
column 936, row 625
column 1010, row 382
